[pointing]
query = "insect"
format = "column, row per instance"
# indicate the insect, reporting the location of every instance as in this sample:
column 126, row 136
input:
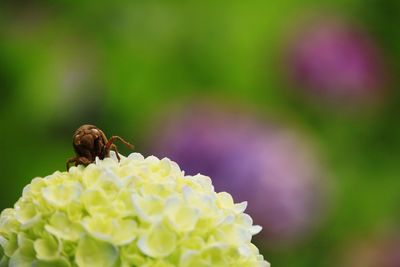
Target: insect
column 90, row 142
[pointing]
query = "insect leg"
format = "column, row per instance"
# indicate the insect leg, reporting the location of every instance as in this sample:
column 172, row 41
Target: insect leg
column 71, row 160
column 113, row 138
column 83, row 160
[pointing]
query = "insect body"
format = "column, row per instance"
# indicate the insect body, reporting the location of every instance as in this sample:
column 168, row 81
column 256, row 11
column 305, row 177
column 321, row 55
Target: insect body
column 90, row 142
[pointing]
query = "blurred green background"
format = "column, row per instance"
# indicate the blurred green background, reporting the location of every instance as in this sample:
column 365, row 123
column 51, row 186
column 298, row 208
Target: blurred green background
column 122, row 65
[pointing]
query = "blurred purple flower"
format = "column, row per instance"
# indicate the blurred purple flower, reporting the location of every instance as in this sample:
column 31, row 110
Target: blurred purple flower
column 267, row 166
column 336, row 60
column 376, row 252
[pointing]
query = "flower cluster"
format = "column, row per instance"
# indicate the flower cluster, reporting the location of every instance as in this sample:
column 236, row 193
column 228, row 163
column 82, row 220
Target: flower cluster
column 272, row 166
column 336, row 60
column 376, row 250
column 136, row 212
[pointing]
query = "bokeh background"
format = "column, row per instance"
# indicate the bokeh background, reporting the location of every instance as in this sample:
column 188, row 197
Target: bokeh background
column 291, row 105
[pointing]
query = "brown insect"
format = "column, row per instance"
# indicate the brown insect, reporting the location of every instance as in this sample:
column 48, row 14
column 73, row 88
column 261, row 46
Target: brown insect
column 90, row 142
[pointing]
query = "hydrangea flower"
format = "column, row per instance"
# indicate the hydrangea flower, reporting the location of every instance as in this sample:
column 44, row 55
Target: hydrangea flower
column 336, row 60
column 268, row 165
column 136, row 212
